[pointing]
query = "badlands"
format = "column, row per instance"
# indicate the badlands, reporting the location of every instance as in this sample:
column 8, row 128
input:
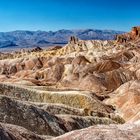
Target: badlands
column 86, row 90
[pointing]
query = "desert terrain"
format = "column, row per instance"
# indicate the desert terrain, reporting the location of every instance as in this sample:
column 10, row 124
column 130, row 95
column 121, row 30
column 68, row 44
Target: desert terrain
column 86, row 90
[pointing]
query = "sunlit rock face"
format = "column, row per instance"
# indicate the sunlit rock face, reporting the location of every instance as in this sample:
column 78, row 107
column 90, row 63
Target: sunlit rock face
column 127, row 100
column 106, row 132
column 132, row 37
column 85, row 83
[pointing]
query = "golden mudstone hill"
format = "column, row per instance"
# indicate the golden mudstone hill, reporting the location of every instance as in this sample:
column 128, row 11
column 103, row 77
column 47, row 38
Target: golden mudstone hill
column 47, row 93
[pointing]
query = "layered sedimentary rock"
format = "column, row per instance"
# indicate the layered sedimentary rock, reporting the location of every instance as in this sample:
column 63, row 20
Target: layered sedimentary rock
column 76, row 99
column 127, row 100
column 85, row 83
column 38, row 120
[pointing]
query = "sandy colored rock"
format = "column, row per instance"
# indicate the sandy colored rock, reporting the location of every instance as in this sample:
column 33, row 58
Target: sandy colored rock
column 127, row 100
column 105, row 132
column 85, row 83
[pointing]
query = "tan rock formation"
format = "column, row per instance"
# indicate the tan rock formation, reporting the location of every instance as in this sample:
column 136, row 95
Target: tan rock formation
column 132, row 36
column 127, row 100
column 105, row 132
column 84, row 83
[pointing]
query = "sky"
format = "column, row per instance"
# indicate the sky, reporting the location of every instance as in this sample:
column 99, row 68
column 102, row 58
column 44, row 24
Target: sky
column 68, row 14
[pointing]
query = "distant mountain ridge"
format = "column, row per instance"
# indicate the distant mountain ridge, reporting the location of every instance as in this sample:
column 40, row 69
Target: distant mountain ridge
column 26, row 39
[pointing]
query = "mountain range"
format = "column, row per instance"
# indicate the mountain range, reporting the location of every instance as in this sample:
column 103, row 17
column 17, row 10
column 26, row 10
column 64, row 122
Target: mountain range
column 29, row 39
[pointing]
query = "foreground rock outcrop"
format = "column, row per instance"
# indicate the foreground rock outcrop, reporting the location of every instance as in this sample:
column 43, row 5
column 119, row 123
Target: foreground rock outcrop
column 40, row 121
column 13, row 132
column 104, row 132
